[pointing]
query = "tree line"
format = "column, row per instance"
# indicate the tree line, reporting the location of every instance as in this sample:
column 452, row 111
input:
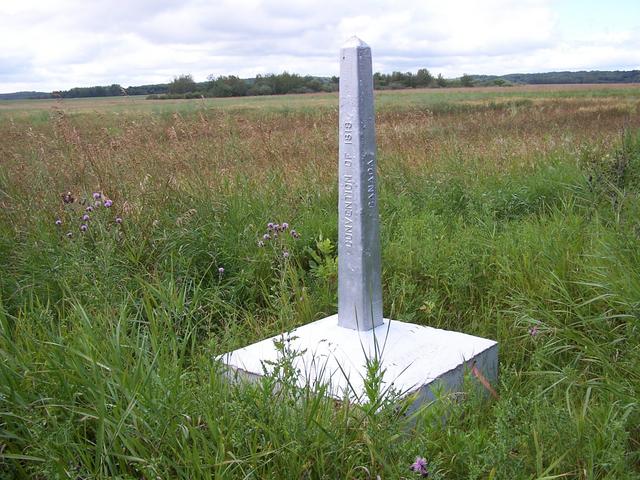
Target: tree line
column 184, row 86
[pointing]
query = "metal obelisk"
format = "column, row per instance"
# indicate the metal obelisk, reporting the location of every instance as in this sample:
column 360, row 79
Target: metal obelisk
column 359, row 270
column 336, row 351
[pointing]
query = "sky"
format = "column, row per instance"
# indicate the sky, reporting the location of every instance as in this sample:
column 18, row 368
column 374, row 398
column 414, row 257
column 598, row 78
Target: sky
column 51, row 45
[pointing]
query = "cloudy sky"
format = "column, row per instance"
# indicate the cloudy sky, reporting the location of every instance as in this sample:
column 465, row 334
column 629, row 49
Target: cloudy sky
column 58, row 44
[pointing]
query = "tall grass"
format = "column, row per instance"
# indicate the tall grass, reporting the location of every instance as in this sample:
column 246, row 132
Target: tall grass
column 515, row 221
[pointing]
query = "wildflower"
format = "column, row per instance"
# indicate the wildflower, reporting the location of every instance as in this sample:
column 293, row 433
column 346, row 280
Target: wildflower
column 83, row 227
column 533, row 331
column 270, row 226
column 285, row 254
column 69, row 234
column 260, row 243
column 68, row 198
column 221, row 270
column 420, row 466
column 285, row 225
column 96, row 195
column 98, row 203
column 108, row 203
column 89, row 209
column 58, row 222
column 118, row 220
column 295, row 234
column 85, row 218
column 266, row 236
column 276, row 227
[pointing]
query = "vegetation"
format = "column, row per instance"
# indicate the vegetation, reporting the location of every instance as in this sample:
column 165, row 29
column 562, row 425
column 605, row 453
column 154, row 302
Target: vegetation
column 82, row 92
column 632, row 76
column 184, row 86
column 507, row 213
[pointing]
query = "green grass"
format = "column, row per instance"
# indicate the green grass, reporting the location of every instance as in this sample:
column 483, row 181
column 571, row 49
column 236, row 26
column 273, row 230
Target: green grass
column 401, row 99
column 108, row 339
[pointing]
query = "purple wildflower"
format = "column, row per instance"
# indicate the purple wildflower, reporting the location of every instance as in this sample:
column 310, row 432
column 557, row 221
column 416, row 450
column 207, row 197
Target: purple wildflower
column 96, row 195
column 276, row 227
column 420, row 466
column 533, row 331
column 266, row 236
column 285, row 254
column 69, row 234
column 58, row 222
column 89, row 209
column 108, row 203
column 270, row 226
column 85, row 217
column 285, row 225
column 83, row 227
column 295, row 234
column 221, row 270
column 118, row 220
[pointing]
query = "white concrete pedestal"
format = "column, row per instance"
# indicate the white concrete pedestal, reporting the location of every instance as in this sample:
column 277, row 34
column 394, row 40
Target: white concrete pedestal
column 414, row 358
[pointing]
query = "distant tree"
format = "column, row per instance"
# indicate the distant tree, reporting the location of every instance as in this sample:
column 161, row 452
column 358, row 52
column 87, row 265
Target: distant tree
column 260, row 89
column 466, row 80
column 182, row 84
column 379, row 80
column 441, row 81
column 230, row 86
column 423, row 78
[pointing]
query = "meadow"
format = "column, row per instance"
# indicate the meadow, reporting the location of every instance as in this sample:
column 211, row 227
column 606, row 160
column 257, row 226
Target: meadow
column 509, row 213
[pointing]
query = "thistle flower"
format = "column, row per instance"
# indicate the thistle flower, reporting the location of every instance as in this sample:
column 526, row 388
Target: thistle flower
column 420, row 466
column 276, row 227
column 533, row 331
column 89, row 209
column 266, row 236
column 96, row 195
column 58, row 222
column 108, row 203
column 285, row 225
column 285, row 254
column 270, row 226
column 83, row 227
column 295, row 234
column 85, row 218
column 118, row 220
column 220, row 271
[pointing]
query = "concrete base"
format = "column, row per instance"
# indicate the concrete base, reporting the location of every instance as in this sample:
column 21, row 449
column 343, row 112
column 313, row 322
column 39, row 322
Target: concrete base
column 414, row 358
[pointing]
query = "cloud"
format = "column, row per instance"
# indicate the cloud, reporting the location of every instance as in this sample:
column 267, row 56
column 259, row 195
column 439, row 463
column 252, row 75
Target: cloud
column 58, row 45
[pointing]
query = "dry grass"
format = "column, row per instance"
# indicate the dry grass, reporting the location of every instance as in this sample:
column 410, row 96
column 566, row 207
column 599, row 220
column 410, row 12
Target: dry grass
column 121, row 145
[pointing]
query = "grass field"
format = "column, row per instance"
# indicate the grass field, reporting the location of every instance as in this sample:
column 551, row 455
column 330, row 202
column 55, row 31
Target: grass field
column 509, row 213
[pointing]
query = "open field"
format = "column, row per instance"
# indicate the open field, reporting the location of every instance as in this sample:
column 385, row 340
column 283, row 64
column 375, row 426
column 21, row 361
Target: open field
column 419, row 97
column 509, row 213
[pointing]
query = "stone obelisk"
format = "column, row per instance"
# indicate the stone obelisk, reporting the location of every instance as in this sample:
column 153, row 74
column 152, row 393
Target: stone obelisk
column 359, row 263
